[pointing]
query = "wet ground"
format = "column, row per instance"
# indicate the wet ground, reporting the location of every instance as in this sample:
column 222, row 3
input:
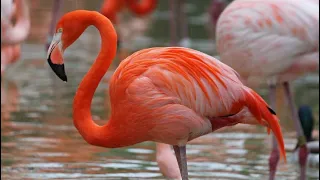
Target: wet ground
column 39, row 141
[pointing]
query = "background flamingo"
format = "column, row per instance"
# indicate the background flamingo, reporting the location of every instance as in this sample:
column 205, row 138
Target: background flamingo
column 161, row 91
column 128, row 27
column 272, row 41
column 17, row 32
column 179, row 23
column 111, row 8
column 178, row 18
column 13, row 34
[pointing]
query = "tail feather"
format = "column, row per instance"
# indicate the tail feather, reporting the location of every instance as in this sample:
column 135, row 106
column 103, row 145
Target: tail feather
column 260, row 109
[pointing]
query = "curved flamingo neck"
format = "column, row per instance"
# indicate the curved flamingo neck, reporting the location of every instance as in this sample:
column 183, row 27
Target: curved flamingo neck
column 143, row 7
column 19, row 32
column 90, row 131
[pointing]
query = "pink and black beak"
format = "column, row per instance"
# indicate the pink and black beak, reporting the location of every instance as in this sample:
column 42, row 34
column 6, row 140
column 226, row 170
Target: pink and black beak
column 55, row 57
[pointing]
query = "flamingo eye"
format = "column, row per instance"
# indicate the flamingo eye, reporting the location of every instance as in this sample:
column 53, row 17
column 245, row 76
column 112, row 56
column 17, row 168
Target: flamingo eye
column 59, row 30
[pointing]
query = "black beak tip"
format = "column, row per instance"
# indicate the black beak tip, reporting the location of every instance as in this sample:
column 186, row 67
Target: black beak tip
column 271, row 111
column 58, row 69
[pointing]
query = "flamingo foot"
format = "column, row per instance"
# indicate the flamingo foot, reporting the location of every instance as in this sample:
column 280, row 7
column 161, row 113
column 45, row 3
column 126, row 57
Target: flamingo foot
column 303, row 157
column 273, row 163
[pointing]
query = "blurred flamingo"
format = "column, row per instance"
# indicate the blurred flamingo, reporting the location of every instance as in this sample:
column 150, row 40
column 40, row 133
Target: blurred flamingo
column 272, row 41
column 13, row 34
column 128, row 28
column 17, row 32
column 179, row 34
column 167, row 94
column 57, row 4
column 178, row 19
column 110, row 8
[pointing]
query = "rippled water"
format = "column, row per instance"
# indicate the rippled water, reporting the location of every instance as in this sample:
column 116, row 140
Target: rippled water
column 39, row 141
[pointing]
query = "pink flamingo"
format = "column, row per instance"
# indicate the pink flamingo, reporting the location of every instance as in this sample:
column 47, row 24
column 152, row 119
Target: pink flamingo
column 272, row 41
column 166, row 94
column 112, row 8
column 13, row 35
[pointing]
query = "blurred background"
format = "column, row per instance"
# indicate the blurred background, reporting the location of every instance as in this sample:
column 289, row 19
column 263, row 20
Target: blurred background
column 39, row 141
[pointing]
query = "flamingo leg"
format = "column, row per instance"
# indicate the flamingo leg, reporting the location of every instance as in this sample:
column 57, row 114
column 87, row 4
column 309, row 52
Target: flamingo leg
column 303, row 150
column 55, row 15
column 181, row 156
column 173, row 24
column 183, row 20
column 275, row 154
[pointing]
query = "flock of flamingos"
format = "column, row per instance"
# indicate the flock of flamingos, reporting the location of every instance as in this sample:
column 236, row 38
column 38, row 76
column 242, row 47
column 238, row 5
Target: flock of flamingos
column 171, row 95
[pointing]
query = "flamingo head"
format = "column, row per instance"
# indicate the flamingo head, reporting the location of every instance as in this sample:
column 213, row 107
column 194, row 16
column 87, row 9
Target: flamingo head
column 68, row 29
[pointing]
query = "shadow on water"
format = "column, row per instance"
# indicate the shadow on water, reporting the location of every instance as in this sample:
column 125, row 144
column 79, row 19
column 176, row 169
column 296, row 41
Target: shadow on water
column 39, row 141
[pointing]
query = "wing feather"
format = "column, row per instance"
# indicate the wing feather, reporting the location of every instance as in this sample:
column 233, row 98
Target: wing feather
column 199, row 81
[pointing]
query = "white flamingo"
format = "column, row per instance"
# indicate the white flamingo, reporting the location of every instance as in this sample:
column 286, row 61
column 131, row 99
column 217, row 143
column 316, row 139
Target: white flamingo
column 273, row 41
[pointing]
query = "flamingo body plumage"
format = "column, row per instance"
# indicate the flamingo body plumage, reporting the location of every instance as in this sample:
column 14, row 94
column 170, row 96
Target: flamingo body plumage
column 154, row 81
column 163, row 94
column 271, row 40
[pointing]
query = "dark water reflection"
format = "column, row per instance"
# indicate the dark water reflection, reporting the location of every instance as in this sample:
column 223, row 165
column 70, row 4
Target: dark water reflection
column 39, row 141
